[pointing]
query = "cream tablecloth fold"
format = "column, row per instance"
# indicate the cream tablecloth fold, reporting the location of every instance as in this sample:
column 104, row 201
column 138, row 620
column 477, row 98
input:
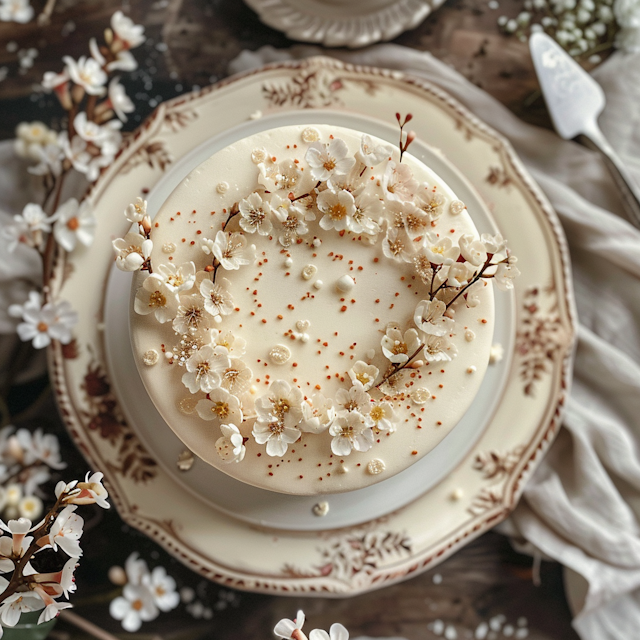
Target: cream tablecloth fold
column 582, row 506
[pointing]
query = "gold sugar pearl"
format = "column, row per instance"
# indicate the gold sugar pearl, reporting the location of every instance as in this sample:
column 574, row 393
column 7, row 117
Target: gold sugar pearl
column 150, row 357
column 376, row 466
column 457, row 207
column 420, row 395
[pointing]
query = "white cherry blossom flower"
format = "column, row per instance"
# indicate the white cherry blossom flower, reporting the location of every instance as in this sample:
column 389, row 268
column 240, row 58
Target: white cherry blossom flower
column 106, row 135
column 472, row 250
column 136, row 570
column 217, row 299
column 276, row 177
column 132, row 251
column 74, row 223
column 365, row 218
column 496, row 246
column 230, row 249
column 317, row 415
column 18, row 529
column 131, row 35
column 118, row 100
column 337, row 209
column 220, row 406
column 230, row 446
column 87, row 73
column 354, row 399
column 275, row 434
column 398, row 348
column 124, row 61
column 416, row 222
column 41, row 324
column 429, row 201
column 398, row 182
column 504, row 276
column 371, row 153
column 204, row 369
column 66, row 532
column 282, row 400
column 349, row 432
column 30, row 507
column 190, row 315
column 429, row 318
column 397, row 245
column 52, row 81
column 177, row 278
column 134, row 607
column 234, row 344
column 254, row 214
column 381, row 417
column 291, row 219
column 29, row 227
column 90, row 491
column 157, row 297
column 163, row 589
column 40, row 446
column 328, row 160
column 440, row 250
column 285, row 628
column 13, row 606
column 16, row 11
column 31, row 138
column 439, row 349
column 459, row 274
column 236, row 377
column 136, row 211
column 336, row 632
column 364, row 373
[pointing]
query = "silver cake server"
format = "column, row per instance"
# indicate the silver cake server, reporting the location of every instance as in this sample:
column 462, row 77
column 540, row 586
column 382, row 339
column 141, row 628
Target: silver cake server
column 575, row 100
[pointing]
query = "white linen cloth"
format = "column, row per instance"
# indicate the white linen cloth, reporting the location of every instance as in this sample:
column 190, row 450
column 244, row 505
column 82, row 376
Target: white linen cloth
column 582, row 506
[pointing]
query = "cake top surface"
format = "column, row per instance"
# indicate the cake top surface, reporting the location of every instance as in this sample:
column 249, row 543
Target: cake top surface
column 318, row 310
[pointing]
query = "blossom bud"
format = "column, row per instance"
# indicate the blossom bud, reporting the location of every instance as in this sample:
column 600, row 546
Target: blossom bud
column 146, row 224
column 117, row 576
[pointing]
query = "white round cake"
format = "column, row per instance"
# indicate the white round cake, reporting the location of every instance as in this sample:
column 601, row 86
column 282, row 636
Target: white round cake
column 317, row 314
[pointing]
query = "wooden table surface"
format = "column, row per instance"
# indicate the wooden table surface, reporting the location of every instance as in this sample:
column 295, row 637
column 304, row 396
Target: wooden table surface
column 191, row 43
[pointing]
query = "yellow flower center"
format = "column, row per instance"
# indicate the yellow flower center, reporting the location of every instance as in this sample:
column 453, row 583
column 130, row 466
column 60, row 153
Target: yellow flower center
column 73, row 223
column 157, row 299
column 330, row 164
column 338, row 211
column 221, row 409
column 399, row 347
column 377, row 413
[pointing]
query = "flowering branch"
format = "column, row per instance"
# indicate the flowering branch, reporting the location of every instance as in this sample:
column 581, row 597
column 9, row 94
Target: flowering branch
column 410, row 136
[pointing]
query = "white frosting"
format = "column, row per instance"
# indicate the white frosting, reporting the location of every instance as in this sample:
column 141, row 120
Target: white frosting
column 338, row 327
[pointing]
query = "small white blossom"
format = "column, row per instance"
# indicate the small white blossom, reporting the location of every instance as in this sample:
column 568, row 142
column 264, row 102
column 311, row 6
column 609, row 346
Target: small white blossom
column 291, row 219
column 136, row 211
column 429, row 317
column 317, row 415
column 371, row 153
column 90, row 491
column 220, row 406
column 134, row 607
column 276, row 435
column 364, row 373
column 381, row 417
column 163, row 590
column 472, row 250
column 326, row 161
column 349, row 432
column 16, row 11
column 429, row 201
column 49, row 159
column 354, row 399
column 276, row 177
column 398, row 182
column 230, row 249
column 31, row 138
column 438, row 349
column 504, row 276
column 230, row 446
column 204, row 369
column 440, row 250
column 119, row 101
column 106, row 136
column 132, row 251
column 131, row 35
column 337, row 209
column 234, row 344
column 12, row 607
column 496, row 246
column 66, row 532
column 254, row 215
column 30, row 507
column 43, row 323
column 416, row 221
column 87, row 73
column 52, row 610
column 282, row 400
column 398, row 348
column 336, row 632
column 236, row 377
column 217, row 299
column 397, row 245
column 74, row 223
column 157, row 297
column 178, row 278
column 190, row 315
column 365, row 218
column 459, row 274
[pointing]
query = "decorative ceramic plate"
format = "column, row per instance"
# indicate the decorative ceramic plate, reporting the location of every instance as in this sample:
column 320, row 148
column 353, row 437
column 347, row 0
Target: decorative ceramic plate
column 283, row 546
column 343, row 23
